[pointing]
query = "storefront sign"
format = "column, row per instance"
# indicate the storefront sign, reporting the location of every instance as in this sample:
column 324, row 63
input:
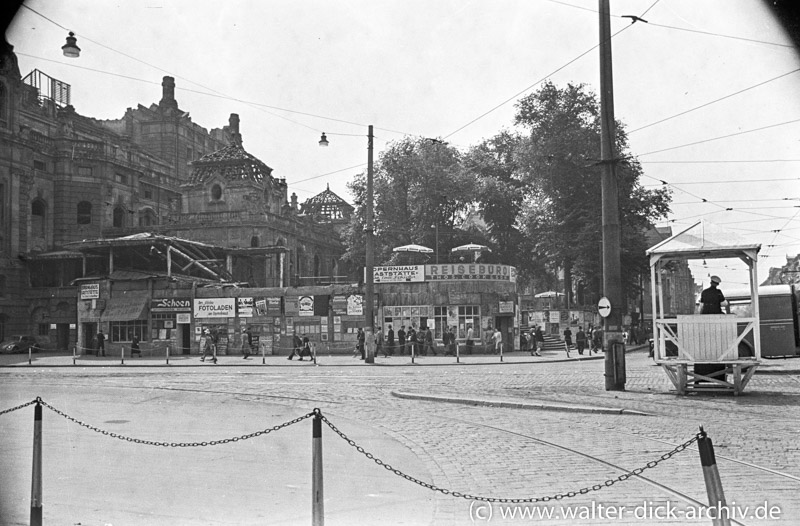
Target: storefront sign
column 475, row 271
column 183, row 318
column 171, row 305
column 215, row 308
column 355, row 305
column 90, row 291
column 305, row 305
column 399, row 274
column 244, row 307
column 555, row 316
column 506, row 307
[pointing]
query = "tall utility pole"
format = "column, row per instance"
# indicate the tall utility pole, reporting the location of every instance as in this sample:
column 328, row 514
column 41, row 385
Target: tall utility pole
column 369, row 331
column 612, row 273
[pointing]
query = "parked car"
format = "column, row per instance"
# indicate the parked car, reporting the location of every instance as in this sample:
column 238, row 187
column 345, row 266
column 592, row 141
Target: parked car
column 19, row 344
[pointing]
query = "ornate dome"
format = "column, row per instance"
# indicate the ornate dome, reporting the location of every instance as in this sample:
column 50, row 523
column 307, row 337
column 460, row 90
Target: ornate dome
column 231, row 162
column 328, row 206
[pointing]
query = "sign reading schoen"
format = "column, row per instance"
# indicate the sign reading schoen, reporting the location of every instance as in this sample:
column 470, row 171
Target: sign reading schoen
column 215, row 308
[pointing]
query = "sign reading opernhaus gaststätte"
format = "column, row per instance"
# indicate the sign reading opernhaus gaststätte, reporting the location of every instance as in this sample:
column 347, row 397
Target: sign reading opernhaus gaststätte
column 215, row 308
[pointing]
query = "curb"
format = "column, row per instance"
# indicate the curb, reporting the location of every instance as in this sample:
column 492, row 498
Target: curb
column 518, row 405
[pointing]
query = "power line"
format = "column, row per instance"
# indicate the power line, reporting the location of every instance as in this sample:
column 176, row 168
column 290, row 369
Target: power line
column 714, row 101
column 722, row 161
column 728, row 181
column 720, row 137
column 710, row 33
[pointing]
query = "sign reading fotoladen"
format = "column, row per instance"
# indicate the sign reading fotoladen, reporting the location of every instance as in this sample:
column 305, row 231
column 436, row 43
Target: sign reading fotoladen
column 215, row 308
column 398, row 274
column 471, row 271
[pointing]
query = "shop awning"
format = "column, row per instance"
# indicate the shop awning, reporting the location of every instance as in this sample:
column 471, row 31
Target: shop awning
column 127, row 307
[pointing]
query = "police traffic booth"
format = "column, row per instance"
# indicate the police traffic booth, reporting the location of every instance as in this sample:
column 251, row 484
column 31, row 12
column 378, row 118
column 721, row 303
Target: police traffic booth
column 705, row 352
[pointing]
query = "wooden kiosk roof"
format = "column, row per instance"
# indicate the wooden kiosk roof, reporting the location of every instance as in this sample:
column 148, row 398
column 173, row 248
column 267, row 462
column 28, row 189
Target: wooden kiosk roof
column 704, row 240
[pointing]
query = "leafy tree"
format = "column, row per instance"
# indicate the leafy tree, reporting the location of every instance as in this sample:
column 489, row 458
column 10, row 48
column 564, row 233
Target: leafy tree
column 417, row 184
column 562, row 216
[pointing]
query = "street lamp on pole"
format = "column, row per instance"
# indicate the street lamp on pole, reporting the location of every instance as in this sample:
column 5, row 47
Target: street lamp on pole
column 369, row 293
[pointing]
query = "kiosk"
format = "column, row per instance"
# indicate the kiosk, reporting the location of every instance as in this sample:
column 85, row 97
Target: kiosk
column 705, row 352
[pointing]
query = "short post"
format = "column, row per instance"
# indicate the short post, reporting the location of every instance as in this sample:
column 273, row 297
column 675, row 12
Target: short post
column 30, row 351
column 214, row 352
column 317, row 502
column 314, row 352
column 74, row 354
column 501, row 351
column 167, row 354
column 458, row 356
column 36, row 482
column 263, row 353
column 413, row 348
column 716, row 497
column 122, row 354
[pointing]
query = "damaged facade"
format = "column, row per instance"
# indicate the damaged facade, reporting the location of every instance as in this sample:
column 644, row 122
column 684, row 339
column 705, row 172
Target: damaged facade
column 71, row 185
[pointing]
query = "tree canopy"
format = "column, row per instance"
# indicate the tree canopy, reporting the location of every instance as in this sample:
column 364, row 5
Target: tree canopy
column 532, row 195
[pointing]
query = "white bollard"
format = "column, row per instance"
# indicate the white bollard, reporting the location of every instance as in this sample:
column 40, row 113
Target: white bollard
column 167, row 354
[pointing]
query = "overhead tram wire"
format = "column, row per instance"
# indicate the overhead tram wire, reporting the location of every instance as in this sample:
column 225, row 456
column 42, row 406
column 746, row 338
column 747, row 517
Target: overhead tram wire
column 714, row 101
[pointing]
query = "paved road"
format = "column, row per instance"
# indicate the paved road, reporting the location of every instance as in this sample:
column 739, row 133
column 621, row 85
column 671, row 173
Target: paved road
column 500, row 452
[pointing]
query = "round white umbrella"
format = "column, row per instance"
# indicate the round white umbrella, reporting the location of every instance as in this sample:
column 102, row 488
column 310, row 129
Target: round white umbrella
column 470, row 247
column 413, row 248
column 548, row 294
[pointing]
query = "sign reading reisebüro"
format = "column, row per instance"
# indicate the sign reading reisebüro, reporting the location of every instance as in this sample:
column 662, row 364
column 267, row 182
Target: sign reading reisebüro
column 215, row 308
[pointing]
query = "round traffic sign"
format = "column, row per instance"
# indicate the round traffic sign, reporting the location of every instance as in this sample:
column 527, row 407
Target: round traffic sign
column 604, row 307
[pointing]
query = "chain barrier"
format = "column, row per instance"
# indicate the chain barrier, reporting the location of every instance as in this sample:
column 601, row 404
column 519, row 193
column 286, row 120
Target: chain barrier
column 378, row 461
column 164, row 444
column 557, row 496
column 19, row 407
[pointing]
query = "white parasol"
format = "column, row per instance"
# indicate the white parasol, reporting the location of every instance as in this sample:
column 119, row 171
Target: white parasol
column 413, row 248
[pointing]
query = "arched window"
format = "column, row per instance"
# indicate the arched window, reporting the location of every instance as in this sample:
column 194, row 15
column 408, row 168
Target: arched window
column 254, row 241
column 119, row 217
column 147, row 217
column 84, row 213
column 38, row 215
column 216, row 192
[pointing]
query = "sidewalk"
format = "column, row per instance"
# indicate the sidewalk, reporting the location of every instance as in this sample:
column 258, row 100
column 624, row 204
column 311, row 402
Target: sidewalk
column 50, row 359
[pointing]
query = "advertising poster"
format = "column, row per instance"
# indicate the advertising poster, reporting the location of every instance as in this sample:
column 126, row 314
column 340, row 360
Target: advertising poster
column 305, row 305
column 214, row 308
column 355, row 305
column 244, row 307
column 398, row 274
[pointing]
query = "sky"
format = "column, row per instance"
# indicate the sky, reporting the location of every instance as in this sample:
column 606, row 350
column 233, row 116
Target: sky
column 709, row 92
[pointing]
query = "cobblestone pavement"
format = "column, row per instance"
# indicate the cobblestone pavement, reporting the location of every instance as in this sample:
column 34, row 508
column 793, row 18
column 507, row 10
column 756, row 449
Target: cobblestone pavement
column 501, row 452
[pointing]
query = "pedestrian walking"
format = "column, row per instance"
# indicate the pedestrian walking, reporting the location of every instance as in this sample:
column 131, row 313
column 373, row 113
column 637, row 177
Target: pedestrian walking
column 597, row 340
column 380, row 347
column 568, row 338
column 470, row 335
column 498, row 341
column 389, row 349
column 209, row 346
column 135, row 346
column 101, row 343
column 401, row 340
column 360, row 339
column 412, row 342
column 305, row 350
column 429, row 345
column 247, row 343
column 580, row 340
column 538, row 337
column 297, row 345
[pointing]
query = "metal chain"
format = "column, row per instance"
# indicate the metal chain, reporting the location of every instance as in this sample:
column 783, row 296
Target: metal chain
column 20, row 406
column 178, row 444
column 557, row 496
